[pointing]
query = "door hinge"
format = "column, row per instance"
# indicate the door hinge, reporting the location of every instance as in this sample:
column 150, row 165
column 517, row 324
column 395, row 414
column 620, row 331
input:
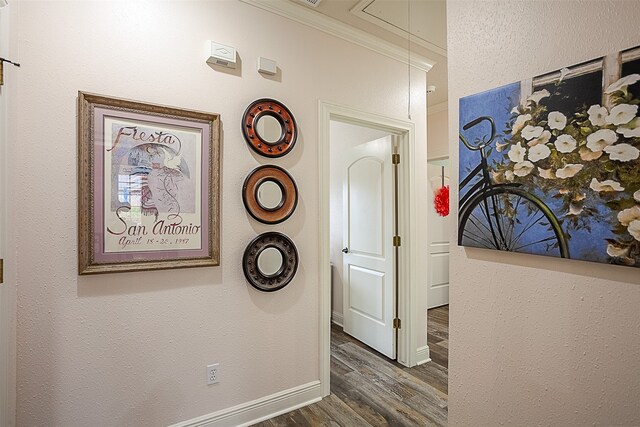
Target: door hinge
column 396, row 241
column 396, row 323
column 395, row 158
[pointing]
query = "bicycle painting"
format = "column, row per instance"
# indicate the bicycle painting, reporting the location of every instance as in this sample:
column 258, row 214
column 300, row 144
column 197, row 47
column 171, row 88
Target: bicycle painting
column 551, row 165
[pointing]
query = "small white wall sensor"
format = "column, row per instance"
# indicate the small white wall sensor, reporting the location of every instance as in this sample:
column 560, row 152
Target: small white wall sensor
column 267, row 66
column 222, row 55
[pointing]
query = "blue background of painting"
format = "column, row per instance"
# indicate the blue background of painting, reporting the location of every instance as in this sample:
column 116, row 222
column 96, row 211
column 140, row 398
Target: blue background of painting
column 498, row 103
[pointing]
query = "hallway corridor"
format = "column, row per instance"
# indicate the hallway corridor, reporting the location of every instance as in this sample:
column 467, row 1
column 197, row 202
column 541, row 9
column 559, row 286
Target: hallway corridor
column 367, row 389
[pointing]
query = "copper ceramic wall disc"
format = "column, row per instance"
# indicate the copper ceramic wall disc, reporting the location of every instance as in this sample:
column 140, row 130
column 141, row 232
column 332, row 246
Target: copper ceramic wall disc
column 288, row 129
column 275, row 177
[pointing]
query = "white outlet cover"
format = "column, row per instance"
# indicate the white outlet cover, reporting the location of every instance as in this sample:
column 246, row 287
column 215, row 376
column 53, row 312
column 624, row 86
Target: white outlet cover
column 213, row 373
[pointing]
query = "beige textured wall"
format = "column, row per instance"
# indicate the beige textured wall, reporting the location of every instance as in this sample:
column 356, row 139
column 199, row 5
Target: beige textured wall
column 535, row 340
column 438, row 134
column 131, row 348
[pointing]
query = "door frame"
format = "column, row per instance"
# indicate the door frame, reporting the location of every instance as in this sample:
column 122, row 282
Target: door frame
column 7, row 305
column 407, row 352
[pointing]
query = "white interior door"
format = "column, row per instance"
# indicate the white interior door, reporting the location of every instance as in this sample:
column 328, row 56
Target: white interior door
column 438, row 239
column 369, row 288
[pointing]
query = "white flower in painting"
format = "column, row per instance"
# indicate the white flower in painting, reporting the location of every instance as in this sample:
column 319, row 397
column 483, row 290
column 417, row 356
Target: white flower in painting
column 546, row 173
column 636, row 196
column 565, row 143
column 538, row 96
column 509, row 176
column 606, row 185
column 631, row 129
column 634, row 229
column 588, row 155
column 574, row 209
column 598, row 115
column 530, row 132
column 557, row 120
column 563, row 191
column 622, row 152
column 515, row 110
column 628, row 215
column 539, row 152
column 579, row 197
column 542, row 139
column 622, row 114
column 519, row 123
column 616, row 251
column 523, row 168
column 622, row 83
column 600, row 139
column 569, row 170
column 500, row 146
column 517, row 152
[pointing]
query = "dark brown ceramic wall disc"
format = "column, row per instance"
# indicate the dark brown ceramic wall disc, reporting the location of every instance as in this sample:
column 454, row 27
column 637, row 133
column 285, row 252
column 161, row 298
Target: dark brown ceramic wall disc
column 275, row 143
column 270, row 194
column 270, row 261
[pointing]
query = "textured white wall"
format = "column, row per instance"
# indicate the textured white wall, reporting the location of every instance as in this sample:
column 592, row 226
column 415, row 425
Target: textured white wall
column 131, row 348
column 438, row 134
column 342, row 137
column 535, row 340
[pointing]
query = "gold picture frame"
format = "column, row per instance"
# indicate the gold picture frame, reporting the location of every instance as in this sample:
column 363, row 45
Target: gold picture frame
column 148, row 186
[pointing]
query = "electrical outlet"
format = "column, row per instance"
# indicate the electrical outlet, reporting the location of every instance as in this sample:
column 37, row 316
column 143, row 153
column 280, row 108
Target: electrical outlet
column 213, row 373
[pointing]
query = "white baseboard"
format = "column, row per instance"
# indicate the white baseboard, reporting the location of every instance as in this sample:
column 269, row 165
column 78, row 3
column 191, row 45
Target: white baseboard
column 423, row 355
column 258, row 410
column 337, row 318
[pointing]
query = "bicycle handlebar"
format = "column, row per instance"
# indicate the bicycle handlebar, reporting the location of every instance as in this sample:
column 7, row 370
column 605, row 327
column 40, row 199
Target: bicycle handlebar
column 484, row 142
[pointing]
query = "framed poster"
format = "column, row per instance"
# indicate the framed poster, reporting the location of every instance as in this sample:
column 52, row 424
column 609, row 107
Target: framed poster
column 148, row 186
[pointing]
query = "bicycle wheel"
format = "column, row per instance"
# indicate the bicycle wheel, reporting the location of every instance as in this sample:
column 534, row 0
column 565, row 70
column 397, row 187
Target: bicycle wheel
column 508, row 218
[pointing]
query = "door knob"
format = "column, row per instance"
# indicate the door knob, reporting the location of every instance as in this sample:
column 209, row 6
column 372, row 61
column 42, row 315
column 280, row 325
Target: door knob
column 345, row 250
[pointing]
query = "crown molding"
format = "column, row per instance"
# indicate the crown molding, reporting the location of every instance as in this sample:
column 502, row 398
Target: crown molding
column 437, row 108
column 336, row 28
column 358, row 10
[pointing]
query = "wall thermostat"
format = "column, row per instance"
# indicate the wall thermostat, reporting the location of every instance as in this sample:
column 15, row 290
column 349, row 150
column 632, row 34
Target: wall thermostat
column 223, row 55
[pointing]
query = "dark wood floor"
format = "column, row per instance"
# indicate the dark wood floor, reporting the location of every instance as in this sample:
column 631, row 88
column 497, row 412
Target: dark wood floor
column 367, row 389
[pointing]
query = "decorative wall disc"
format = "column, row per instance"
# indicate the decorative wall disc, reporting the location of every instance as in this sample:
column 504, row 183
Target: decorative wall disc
column 269, row 128
column 270, row 194
column 270, row 261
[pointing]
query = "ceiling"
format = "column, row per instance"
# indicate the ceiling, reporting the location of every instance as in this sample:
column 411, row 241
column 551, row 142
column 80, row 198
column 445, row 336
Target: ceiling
column 387, row 19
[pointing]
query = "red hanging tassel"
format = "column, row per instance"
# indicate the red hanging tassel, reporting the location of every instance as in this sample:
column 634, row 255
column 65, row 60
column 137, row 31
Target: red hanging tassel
column 441, row 201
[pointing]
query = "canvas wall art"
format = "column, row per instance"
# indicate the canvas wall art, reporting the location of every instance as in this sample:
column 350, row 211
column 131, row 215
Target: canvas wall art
column 550, row 165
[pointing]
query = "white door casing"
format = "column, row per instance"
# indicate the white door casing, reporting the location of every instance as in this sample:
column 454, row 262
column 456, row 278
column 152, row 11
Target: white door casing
column 369, row 286
column 438, row 239
column 411, row 265
column 6, row 312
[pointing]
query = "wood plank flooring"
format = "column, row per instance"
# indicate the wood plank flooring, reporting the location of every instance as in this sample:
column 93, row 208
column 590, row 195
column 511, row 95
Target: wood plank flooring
column 368, row 389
